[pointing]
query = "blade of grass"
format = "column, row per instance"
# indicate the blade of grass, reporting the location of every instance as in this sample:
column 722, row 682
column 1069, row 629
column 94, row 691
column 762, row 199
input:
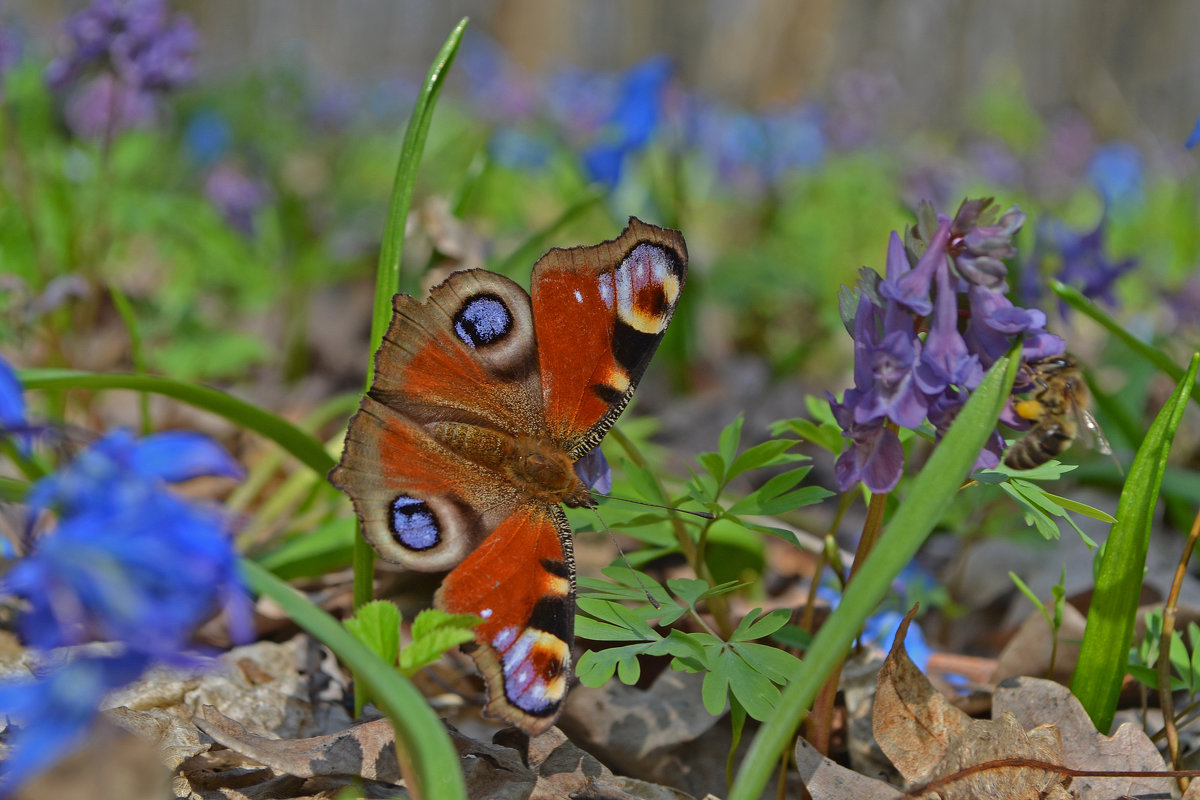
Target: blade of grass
column 390, row 277
column 125, row 309
column 1110, row 619
column 427, row 758
column 529, row 250
column 246, row 415
column 1072, row 297
column 930, row 495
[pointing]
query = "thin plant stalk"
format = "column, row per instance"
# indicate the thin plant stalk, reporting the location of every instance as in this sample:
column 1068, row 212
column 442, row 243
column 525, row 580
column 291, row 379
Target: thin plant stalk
column 1170, row 612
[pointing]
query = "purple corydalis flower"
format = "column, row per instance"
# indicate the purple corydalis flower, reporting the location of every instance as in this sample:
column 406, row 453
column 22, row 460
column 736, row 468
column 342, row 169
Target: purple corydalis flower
column 945, row 360
column 236, row 196
column 978, row 250
column 884, row 362
column 104, row 105
column 875, row 457
column 1084, row 263
column 912, row 289
column 903, row 379
column 135, row 40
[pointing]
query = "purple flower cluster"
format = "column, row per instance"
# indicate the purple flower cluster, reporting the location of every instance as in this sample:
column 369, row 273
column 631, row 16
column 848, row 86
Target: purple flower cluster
column 1077, row 259
column 236, row 195
column 129, row 51
column 128, row 563
column 925, row 334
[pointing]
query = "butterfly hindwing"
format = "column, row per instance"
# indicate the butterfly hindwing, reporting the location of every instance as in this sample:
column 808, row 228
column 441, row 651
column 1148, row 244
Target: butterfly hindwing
column 421, row 504
column 600, row 313
column 521, row 580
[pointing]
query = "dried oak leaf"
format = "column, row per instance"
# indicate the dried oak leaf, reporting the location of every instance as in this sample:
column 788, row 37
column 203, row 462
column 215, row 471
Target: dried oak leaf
column 828, row 780
column 1034, row 701
column 929, row 740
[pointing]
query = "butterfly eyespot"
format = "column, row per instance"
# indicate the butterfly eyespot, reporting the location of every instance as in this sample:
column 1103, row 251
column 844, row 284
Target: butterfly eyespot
column 413, row 523
column 483, row 320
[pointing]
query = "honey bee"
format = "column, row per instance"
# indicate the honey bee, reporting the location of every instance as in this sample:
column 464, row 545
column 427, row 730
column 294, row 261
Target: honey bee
column 1058, row 407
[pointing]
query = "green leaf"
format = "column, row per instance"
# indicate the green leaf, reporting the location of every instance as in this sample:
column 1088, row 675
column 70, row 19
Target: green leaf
column 596, row 630
column 433, row 619
column 1158, row 358
column 763, row 626
column 793, row 636
column 326, row 547
column 767, row 454
column 730, row 439
column 433, row 633
column 629, row 670
column 1110, row 619
column 1081, row 508
column 826, row 436
column 714, row 691
column 428, row 760
column 689, row 590
column 308, row 450
column 681, row 645
column 377, row 625
column 764, row 503
column 714, row 465
column 778, row 665
column 596, row 667
column 643, row 482
column 930, row 494
column 753, row 690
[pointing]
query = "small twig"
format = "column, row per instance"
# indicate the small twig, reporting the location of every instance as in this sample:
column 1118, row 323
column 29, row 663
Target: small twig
column 1170, row 610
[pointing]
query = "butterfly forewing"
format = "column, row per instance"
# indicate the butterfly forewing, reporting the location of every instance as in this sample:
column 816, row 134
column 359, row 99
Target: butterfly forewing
column 600, row 313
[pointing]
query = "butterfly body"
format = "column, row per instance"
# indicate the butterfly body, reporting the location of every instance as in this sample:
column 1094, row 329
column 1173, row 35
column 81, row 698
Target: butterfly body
column 484, row 397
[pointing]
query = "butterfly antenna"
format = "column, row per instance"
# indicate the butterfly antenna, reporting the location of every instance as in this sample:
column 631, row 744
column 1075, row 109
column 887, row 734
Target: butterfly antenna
column 636, row 575
column 700, row 514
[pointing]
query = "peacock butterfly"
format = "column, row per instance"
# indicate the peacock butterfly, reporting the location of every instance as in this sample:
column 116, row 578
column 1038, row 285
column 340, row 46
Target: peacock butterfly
column 484, row 399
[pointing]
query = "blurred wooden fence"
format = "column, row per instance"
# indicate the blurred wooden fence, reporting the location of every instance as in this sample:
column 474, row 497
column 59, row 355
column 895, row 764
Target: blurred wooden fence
column 1133, row 66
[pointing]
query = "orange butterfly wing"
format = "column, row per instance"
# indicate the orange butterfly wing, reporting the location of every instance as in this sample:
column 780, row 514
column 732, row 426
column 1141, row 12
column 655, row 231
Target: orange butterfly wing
column 473, row 386
column 600, row 313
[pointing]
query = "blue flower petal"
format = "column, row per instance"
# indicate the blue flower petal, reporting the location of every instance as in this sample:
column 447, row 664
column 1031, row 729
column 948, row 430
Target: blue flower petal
column 174, row 456
column 56, row 711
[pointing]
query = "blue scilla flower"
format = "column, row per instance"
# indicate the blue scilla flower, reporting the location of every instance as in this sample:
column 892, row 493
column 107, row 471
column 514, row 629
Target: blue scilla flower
column 1194, row 138
column 51, row 714
column 12, row 406
column 631, row 122
column 1116, row 170
column 129, row 562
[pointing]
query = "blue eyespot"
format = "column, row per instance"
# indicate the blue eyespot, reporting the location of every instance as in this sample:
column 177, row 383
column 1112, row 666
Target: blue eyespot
column 413, row 524
column 483, row 320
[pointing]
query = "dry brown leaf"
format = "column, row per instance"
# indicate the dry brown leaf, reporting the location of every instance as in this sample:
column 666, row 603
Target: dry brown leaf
column 829, row 780
column 1034, row 701
column 1028, row 652
column 662, row 734
column 366, row 750
column 914, row 724
column 547, row 767
column 125, row 765
column 928, row 739
column 996, row 740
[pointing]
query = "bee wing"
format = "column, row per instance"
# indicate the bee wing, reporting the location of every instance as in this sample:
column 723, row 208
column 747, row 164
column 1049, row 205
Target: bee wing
column 1090, row 432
